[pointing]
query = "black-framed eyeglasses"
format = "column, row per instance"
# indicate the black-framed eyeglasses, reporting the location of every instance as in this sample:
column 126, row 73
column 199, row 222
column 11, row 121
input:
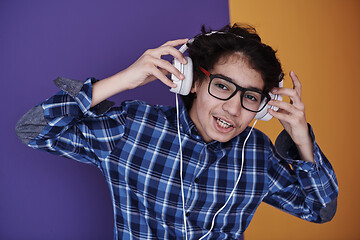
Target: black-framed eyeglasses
column 223, row 88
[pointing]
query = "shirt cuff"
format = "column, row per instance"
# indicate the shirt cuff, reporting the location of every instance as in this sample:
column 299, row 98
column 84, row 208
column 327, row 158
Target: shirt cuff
column 287, row 149
column 82, row 93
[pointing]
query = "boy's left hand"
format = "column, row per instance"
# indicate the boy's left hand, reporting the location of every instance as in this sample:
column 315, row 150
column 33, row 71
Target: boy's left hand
column 292, row 116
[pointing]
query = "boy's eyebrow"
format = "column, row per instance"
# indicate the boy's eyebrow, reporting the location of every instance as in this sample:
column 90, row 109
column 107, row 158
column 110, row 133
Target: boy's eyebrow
column 226, row 77
column 230, row 79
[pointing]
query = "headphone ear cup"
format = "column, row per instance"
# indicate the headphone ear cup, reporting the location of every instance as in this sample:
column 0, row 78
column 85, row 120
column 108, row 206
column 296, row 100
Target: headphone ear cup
column 263, row 114
column 183, row 86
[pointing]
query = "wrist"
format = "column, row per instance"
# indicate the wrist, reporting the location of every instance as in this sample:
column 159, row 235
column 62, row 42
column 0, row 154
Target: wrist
column 108, row 87
column 306, row 151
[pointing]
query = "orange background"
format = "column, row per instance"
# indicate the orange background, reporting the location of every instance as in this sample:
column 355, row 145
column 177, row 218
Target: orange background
column 320, row 41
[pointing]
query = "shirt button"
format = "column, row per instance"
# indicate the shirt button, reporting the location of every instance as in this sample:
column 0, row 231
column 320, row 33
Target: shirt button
column 197, row 180
column 188, row 214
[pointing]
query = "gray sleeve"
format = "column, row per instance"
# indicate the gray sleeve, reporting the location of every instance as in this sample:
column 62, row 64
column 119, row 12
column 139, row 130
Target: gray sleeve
column 327, row 213
column 72, row 87
column 285, row 145
column 31, row 124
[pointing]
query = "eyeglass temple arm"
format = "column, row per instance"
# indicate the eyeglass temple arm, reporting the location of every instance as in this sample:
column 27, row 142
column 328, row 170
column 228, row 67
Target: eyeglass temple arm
column 204, row 71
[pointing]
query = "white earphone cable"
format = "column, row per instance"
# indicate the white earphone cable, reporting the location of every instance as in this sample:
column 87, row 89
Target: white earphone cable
column 181, row 171
column 238, row 180
column 181, row 165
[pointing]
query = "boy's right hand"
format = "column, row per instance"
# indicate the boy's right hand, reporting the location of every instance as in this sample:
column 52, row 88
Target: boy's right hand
column 150, row 66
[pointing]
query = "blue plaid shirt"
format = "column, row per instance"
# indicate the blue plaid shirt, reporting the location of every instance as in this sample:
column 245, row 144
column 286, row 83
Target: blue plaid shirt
column 135, row 146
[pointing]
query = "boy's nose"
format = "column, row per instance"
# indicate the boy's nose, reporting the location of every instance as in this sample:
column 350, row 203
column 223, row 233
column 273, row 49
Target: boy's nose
column 233, row 105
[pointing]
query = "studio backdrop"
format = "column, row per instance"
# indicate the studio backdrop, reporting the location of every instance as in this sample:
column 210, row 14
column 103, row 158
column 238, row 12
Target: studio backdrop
column 48, row 197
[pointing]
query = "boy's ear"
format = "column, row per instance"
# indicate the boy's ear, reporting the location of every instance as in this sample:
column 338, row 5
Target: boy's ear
column 194, row 87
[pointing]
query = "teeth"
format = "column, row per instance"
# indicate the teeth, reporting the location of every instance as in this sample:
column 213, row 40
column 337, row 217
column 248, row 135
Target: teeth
column 223, row 123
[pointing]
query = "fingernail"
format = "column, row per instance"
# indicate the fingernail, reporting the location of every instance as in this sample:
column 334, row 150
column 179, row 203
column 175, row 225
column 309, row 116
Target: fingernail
column 182, row 76
column 184, row 61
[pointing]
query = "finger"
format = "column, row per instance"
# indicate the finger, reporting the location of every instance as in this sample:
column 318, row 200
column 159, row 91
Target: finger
column 169, row 50
column 296, row 119
column 165, row 72
column 296, row 82
column 175, row 53
column 160, row 75
column 291, row 93
column 287, row 107
column 163, row 64
column 175, row 43
column 287, row 112
column 166, row 50
column 279, row 115
column 283, row 117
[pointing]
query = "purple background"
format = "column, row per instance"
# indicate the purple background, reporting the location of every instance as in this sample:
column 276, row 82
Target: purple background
column 49, row 197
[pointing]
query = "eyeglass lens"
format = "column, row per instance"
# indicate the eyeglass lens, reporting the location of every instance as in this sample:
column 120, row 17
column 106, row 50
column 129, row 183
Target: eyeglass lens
column 223, row 89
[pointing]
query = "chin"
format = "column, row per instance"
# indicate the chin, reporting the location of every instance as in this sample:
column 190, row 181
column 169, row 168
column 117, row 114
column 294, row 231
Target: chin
column 223, row 138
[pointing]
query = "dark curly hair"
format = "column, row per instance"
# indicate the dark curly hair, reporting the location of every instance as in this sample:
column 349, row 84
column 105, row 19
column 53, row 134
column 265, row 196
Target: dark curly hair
column 207, row 49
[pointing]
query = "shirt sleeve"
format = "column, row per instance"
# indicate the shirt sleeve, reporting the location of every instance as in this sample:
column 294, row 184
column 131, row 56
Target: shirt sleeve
column 304, row 189
column 65, row 124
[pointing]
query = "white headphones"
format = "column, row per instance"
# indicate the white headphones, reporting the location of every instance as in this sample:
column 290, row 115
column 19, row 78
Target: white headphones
column 184, row 86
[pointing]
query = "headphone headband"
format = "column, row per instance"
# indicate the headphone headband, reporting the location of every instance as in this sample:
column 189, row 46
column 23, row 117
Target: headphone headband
column 184, row 47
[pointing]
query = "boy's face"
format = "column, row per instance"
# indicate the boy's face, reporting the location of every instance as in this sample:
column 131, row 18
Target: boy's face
column 209, row 113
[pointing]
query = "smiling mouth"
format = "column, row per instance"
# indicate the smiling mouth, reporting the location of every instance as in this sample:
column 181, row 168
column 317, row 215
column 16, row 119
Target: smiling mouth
column 222, row 123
